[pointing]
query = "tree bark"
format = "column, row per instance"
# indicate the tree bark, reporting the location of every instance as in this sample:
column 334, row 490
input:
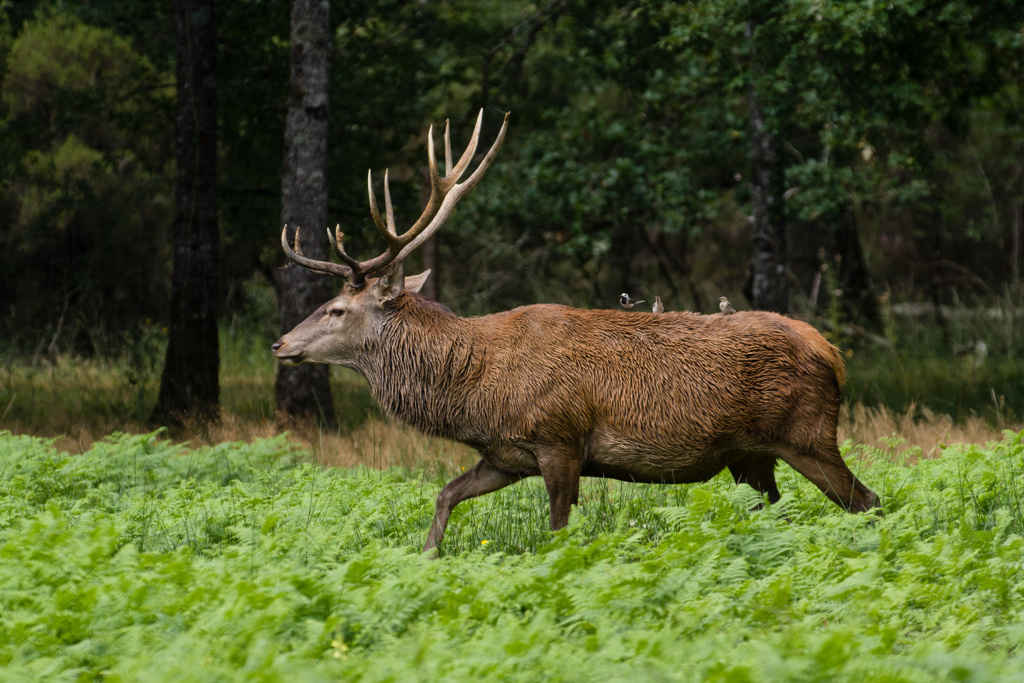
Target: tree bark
column 769, row 283
column 621, row 277
column 303, row 391
column 1015, row 226
column 189, row 388
column 834, row 240
column 858, row 301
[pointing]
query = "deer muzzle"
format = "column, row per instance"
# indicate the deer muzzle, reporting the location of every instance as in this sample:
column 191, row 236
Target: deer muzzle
column 289, row 354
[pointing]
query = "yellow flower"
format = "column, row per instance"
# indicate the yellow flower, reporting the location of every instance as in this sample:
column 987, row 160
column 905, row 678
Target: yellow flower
column 484, row 542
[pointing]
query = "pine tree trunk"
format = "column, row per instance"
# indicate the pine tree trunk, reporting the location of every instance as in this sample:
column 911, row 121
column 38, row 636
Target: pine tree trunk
column 189, row 388
column 769, row 279
column 303, row 391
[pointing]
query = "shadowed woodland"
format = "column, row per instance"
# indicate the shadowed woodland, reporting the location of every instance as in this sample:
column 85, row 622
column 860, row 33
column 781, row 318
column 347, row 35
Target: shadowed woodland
column 856, row 165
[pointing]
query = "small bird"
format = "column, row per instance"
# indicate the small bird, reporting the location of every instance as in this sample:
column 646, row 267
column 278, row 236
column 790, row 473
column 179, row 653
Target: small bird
column 658, row 307
column 627, row 302
column 724, row 306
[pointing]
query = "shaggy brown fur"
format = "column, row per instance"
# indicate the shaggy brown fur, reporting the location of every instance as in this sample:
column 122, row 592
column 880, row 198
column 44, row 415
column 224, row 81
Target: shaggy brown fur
column 562, row 392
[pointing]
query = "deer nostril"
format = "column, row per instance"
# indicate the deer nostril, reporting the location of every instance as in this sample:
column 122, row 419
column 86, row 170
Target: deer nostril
column 276, row 345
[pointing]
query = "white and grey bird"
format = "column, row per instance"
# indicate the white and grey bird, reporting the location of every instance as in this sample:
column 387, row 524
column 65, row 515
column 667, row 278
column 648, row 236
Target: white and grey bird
column 658, row 307
column 724, row 306
column 626, row 302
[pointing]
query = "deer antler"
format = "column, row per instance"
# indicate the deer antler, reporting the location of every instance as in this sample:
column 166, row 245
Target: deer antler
column 444, row 194
column 321, row 267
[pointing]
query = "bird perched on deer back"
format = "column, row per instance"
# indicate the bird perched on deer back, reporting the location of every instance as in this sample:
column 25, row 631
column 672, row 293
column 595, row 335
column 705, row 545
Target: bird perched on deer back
column 626, row 302
column 724, row 306
column 658, row 307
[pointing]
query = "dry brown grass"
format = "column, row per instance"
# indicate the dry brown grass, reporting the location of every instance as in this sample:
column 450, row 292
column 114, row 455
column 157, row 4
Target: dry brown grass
column 380, row 443
column 915, row 432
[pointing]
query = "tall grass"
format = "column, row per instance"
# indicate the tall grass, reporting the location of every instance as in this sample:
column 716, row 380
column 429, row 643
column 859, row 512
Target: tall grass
column 958, row 360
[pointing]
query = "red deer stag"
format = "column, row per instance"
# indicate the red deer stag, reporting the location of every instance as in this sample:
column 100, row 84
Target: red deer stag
column 562, row 392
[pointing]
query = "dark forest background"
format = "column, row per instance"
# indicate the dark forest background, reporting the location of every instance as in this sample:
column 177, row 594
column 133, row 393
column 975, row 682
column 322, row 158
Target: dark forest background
column 859, row 165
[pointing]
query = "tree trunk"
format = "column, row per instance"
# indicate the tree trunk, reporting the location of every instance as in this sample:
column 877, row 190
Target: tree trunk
column 432, row 262
column 858, row 300
column 303, row 391
column 834, row 240
column 189, row 388
column 1015, row 225
column 769, row 283
column 620, row 277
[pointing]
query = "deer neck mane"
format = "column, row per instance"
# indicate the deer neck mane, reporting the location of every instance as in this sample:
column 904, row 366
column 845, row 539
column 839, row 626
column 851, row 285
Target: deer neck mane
column 422, row 368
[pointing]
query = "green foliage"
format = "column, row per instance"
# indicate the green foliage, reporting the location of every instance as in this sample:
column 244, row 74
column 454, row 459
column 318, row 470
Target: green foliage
column 48, row 59
column 87, row 192
column 626, row 166
column 632, row 143
column 142, row 560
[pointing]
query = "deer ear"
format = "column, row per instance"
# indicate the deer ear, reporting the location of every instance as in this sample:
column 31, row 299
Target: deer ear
column 414, row 283
column 390, row 284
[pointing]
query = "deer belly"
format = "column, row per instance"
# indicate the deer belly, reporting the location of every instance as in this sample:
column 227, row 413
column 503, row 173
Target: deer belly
column 679, row 462
column 510, row 459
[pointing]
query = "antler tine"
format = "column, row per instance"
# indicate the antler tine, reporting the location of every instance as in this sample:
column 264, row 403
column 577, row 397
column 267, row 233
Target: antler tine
column 373, row 204
column 432, row 157
column 447, row 148
column 387, row 230
column 438, row 189
column 455, row 173
column 322, row 267
column 337, row 241
column 473, row 179
column 388, row 209
column 456, row 192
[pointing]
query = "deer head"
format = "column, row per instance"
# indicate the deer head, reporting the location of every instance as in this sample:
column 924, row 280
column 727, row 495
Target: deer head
column 343, row 326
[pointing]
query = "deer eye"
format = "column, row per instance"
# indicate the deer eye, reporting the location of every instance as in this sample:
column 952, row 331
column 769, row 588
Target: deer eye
column 337, row 312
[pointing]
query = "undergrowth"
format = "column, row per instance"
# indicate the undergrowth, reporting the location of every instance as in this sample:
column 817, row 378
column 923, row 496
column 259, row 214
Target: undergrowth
column 146, row 560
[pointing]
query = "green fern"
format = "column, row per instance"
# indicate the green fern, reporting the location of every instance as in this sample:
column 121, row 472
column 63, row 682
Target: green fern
column 147, row 560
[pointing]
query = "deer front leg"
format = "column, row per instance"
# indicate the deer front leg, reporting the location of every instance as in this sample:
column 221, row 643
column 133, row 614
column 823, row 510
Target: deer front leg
column 482, row 478
column 561, row 471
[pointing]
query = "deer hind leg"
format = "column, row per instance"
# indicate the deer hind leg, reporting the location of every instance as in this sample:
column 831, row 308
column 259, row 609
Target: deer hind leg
column 825, row 468
column 758, row 471
column 482, row 478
